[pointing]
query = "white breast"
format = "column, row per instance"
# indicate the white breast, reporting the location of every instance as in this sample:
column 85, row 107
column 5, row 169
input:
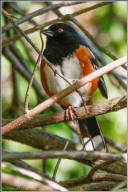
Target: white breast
column 71, row 70
column 71, row 67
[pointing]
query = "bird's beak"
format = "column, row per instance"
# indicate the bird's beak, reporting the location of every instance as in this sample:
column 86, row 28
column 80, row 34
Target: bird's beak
column 48, row 32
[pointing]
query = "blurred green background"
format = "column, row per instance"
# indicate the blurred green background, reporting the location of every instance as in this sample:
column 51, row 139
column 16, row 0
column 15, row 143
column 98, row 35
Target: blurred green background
column 108, row 25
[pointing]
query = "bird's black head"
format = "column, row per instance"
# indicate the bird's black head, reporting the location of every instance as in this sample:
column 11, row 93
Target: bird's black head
column 62, row 40
column 62, row 33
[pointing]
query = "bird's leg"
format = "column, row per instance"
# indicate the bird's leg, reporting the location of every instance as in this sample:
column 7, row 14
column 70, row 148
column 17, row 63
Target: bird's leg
column 70, row 113
column 85, row 107
column 84, row 103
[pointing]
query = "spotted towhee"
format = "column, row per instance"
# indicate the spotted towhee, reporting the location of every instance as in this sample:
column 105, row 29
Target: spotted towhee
column 68, row 51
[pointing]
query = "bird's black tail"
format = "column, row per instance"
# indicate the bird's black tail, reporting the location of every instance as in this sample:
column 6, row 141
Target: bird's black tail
column 92, row 137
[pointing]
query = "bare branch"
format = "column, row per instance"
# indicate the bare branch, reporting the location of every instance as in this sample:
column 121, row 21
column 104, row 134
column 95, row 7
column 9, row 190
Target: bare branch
column 37, row 177
column 102, row 186
column 81, row 155
column 112, row 105
column 98, row 166
column 24, row 165
column 49, row 102
column 58, row 163
column 31, row 80
column 40, row 139
column 23, row 184
column 116, row 145
column 21, row 32
column 96, row 177
column 117, row 167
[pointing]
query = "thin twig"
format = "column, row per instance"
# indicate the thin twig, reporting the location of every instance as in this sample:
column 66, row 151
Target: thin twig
column 22, row 70
column 119, row 79
column 116, row 145
column 31, row 80
column 58, row 162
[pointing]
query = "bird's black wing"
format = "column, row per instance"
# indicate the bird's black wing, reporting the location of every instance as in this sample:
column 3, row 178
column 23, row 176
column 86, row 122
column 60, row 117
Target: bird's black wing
column 101, row 84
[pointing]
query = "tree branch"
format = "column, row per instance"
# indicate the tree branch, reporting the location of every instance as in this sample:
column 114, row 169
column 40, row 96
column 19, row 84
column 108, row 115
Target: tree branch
column 102, row 186
column 97, row 177
column 31, row 80
column 116, row 145
column 58, row 163
column 49, row 102
column 81, row 155
column 22, row 183
column 36, row 177
column 112, row 105
column 40, row 139
column 26, row 184
column 24, row 165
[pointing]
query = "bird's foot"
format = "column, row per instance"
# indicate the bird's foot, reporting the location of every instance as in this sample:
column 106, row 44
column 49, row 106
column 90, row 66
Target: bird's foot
column 70, row 113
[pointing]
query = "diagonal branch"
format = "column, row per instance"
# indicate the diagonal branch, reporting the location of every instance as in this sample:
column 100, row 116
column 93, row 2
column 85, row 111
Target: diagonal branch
column 36, row 177
column 23, row 184
column 49, row 102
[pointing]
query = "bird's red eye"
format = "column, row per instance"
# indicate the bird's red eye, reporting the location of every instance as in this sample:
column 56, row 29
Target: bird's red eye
column 60, row 30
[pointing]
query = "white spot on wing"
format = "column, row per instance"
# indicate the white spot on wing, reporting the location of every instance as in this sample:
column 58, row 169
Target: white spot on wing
column 88, row 146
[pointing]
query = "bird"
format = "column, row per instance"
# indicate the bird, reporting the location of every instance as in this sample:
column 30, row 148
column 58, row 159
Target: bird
column 68, row 51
